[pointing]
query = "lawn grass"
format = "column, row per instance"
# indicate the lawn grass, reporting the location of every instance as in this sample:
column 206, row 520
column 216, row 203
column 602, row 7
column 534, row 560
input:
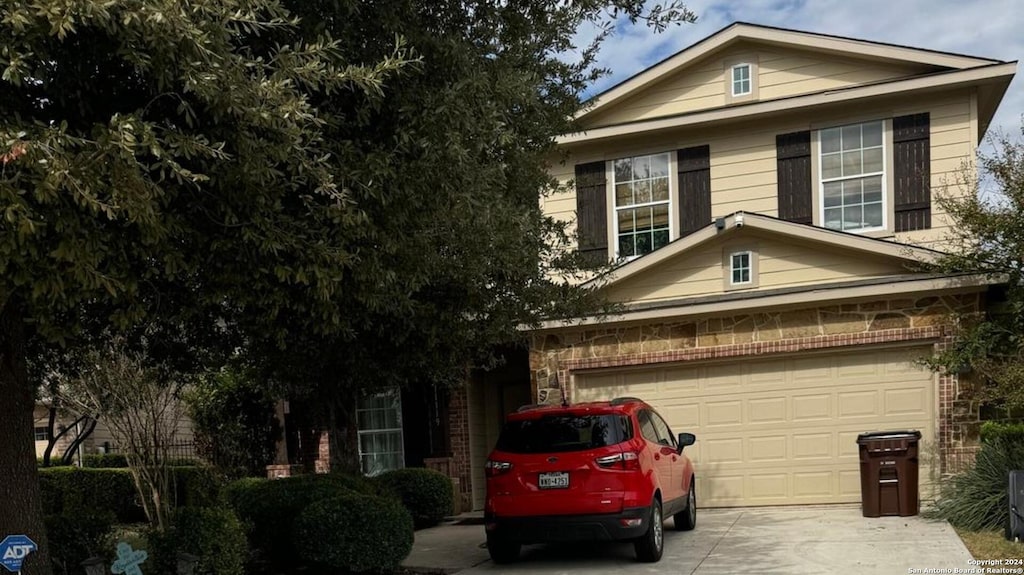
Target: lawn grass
column 990, row 545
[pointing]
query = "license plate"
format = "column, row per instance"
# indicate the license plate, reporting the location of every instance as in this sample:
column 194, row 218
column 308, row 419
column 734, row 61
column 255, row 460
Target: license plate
column 557, row 480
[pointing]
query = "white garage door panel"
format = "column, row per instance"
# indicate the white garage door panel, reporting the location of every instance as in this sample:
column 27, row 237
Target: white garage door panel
column 781, row 431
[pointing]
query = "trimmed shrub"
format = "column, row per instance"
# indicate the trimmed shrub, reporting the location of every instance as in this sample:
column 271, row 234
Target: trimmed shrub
column 105, row 460
column 270, row 508
column 72, row 489
column 994, row 430
column 212, row 534
column 77, row 536
column 426, row 493
column 69, row 490
column 976, row 499
column 354, row 533
column 238, row 493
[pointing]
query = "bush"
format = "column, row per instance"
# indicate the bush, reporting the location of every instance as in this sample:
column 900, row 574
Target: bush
column 214, row 535
column 976, row 499
column 77, row 536
column 69, row 490
column 105, row 460
column 354, row 533
column 72, row 489
column 993, row 430
column 426, row 493
column 270, row 508
column 238, row 493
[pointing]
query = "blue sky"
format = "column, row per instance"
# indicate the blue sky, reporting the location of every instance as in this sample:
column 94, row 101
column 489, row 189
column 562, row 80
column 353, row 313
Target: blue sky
column 986, row 28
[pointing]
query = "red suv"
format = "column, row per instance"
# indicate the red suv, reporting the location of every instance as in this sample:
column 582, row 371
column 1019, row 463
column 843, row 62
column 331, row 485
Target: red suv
column 607, row 470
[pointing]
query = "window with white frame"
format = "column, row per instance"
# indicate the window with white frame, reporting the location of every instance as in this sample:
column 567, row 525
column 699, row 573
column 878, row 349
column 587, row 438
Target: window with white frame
column 642, row 204
column 40, row 433
column 739, row 268
column 741, row 79
column 379, row 419
column 852, row 176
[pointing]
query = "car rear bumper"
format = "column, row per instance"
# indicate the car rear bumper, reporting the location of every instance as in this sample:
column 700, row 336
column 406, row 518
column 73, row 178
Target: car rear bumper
column 557, row 528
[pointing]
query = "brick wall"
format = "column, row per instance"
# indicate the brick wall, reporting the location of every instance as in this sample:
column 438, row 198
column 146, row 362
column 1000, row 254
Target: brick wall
column 555, row 356
column 458, row 420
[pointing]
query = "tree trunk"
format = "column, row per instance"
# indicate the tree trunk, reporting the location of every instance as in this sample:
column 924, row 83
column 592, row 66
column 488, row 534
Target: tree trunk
column 21, row 509
column 343, row 438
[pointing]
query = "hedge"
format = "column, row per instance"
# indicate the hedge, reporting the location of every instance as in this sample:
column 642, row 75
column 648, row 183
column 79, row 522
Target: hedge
column 426, row 493
column 105, row 460
column 77, row 536
column 270, row 508
column 994, row 430
column 354, row 533
column 73, row 489
column 214, row 535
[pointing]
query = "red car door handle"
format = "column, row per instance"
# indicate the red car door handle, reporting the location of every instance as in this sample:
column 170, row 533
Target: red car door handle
column 657, row 456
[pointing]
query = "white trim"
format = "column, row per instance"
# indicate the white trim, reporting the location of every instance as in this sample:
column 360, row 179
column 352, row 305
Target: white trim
column 820, row 43
column 733, row 269
column 947, row 80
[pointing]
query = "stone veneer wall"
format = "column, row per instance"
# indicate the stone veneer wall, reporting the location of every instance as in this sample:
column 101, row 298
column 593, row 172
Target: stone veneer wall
column 555, row 356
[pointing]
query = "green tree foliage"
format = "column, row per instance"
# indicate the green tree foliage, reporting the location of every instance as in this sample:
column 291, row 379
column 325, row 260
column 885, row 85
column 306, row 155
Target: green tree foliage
column 233, row 415
column 987, row 237
column 345, row 188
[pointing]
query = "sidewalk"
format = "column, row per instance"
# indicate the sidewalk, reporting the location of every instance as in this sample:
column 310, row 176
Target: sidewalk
column 450, row 547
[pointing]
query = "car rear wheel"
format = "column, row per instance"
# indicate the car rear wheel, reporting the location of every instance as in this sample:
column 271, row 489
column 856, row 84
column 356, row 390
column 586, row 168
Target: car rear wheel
column 501, row 549
column 686, row 519
column 651, row 545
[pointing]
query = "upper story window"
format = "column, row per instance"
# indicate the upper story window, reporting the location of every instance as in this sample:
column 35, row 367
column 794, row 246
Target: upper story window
column 642, row 204
column 739, row 268
column 741, row 80
column 852, row 177
column 40, row 433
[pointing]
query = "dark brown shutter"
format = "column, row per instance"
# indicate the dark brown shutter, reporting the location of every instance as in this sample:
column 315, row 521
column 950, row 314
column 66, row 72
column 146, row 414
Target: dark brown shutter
column 793, row 163
column 592, row 212
column 911, row 152
column 694, row 188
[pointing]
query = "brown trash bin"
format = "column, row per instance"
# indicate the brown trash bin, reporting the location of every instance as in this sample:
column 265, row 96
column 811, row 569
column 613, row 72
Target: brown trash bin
column 888, row 472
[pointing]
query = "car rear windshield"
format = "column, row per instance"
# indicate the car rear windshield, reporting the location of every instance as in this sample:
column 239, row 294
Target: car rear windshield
column 559, row 433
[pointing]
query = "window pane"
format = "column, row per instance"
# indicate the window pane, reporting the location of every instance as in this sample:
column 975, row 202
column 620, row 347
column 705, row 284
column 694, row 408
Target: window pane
column 872, row 189
column 873, row 160
column 659, row 190
column 829, row 140
column 623, row 194
column 852, row 219
column 851, row 163
column 872, row 134
column 643, row 219
column 626, row 220
column 831, row 166
column 643, row 244
column 623, row 170
column 641, row 167
column 833, row 218
column 659, row 166
column 642, row 192
column 873, row 215
column 626, row 248
column 833, row 194
column 660, row 238
column 660, row 216
column 852, row 192
column 851, row 137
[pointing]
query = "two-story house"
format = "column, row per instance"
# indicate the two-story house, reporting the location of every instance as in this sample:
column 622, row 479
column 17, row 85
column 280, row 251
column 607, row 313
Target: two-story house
column 770, row 195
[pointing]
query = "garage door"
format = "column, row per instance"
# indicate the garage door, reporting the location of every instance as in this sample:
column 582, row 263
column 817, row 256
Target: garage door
column 780, row 431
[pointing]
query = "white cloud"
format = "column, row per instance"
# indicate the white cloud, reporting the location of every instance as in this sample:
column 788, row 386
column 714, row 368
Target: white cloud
column 986, row 28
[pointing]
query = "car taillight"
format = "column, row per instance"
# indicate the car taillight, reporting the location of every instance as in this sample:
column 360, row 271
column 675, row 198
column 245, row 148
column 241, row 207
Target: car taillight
column 624, row 460
column 493, row 468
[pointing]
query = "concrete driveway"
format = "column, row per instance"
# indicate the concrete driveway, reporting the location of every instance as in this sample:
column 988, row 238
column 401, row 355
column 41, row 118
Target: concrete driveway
column 784, row 540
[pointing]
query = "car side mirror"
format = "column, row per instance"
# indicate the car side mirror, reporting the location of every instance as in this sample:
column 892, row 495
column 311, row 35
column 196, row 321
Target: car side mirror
column 686, row 439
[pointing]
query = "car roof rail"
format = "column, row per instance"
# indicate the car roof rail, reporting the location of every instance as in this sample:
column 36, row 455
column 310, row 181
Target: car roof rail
column 625, row 400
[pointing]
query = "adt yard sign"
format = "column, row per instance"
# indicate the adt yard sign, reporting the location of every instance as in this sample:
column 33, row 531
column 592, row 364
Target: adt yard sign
column 13, row 550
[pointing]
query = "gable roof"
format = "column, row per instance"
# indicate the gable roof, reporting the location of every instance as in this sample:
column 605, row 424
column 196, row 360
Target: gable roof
column 727, row 225
column 740, row 31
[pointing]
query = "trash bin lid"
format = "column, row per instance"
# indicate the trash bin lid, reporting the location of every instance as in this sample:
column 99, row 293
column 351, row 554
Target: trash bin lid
column 881, row 435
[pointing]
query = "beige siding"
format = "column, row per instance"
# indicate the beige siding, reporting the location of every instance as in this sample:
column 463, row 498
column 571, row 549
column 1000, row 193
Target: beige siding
column 781, row 73
column 780, row 264
column 743, row 162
